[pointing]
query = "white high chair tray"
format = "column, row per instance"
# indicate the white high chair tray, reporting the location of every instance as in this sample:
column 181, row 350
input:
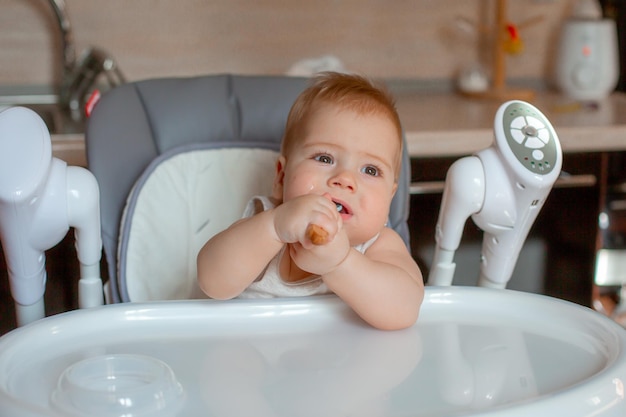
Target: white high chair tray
column 472, row 351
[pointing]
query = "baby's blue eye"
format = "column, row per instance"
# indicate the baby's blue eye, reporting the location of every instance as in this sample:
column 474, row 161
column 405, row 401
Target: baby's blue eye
column 371, row 170
column 325, row 159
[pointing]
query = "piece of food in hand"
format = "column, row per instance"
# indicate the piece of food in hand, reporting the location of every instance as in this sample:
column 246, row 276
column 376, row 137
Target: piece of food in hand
column 317, row 234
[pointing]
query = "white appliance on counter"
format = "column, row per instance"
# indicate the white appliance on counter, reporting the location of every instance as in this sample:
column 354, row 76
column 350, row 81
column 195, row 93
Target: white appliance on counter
column 587, row 62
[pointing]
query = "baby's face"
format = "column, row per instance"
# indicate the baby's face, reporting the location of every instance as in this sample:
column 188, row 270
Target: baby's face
column 353, row 158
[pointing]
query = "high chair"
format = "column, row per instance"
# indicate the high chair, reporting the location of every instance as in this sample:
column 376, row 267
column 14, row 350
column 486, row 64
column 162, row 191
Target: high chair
column 176, row 160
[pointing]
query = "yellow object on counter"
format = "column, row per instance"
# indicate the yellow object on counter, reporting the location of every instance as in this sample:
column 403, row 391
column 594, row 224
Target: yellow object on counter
column 513, row 43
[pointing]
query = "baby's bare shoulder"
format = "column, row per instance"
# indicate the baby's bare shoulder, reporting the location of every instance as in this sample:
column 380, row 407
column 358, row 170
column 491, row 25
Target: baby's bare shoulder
column 389, row 240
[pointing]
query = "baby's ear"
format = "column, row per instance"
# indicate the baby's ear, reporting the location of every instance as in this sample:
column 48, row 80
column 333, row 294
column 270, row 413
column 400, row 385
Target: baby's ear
column 279, row 177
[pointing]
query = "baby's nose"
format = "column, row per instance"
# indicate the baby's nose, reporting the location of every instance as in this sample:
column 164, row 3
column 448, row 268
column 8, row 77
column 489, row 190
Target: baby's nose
column 344, row 179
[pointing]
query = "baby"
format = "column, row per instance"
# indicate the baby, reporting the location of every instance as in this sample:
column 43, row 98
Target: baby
column 323, row 229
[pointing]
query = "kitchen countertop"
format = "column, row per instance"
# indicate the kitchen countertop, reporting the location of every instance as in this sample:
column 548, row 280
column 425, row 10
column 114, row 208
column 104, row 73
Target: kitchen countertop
column 446, row 125
column 439, row 125
column 70, row 148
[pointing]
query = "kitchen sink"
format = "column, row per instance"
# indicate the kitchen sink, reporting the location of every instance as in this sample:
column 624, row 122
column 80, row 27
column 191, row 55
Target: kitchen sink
column 67, row 134
column 57, row 119
column 46, row 105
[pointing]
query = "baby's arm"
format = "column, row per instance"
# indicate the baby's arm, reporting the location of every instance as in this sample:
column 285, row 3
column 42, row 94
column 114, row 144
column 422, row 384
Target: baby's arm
column 230, row 261
column 384, row 286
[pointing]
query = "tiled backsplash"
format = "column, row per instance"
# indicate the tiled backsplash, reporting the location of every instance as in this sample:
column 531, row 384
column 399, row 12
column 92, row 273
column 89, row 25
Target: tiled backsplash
column 149, row 38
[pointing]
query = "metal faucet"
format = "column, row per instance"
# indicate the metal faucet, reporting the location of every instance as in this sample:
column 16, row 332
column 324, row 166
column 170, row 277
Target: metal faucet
column 67, row 38
column 79, row 77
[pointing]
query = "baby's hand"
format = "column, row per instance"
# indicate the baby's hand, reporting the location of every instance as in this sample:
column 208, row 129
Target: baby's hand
column 294, row 219
column 322, row 258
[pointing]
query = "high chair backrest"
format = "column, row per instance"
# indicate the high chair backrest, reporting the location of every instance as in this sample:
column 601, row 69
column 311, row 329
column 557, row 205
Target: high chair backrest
column 176, row 160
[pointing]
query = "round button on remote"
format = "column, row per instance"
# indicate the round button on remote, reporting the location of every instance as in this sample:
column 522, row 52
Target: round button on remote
column 529, row 137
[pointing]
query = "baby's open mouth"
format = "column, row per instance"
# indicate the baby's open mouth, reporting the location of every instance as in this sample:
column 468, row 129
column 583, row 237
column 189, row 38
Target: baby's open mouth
column 340, row 208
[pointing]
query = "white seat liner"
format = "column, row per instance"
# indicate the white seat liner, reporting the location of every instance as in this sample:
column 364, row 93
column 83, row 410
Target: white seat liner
column 182, row 199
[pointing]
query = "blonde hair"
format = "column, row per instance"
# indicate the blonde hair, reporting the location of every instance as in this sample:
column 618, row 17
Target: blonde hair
column 347, row 91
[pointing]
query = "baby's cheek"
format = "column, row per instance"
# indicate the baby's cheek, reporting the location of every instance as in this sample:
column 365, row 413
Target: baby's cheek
column 369, row 225
column 298, row 187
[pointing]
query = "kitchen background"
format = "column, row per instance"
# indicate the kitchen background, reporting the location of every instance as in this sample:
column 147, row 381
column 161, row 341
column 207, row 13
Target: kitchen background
column 412, row 39
column 425, row 42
